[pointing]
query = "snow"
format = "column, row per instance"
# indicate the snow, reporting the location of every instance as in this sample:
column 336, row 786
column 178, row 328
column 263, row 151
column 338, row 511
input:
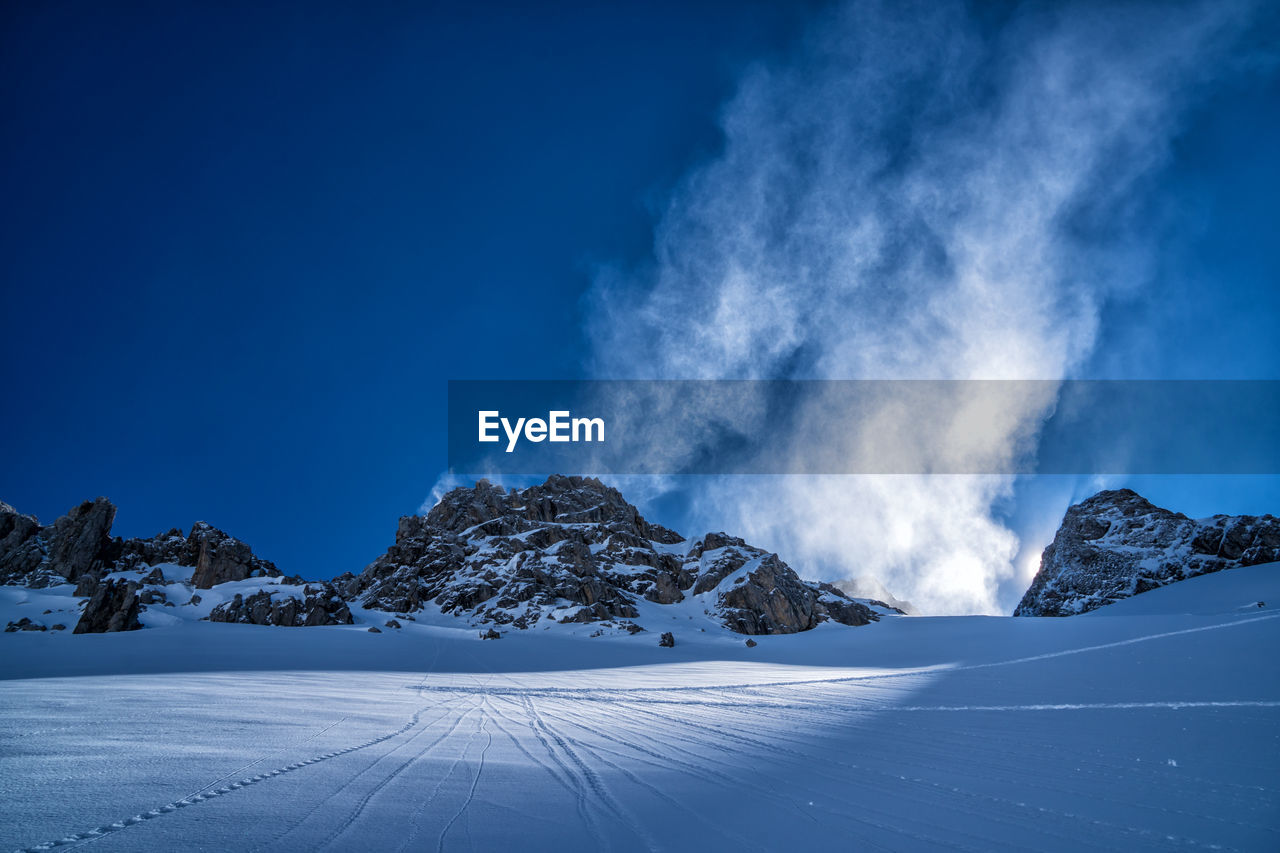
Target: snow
column 1148, row 724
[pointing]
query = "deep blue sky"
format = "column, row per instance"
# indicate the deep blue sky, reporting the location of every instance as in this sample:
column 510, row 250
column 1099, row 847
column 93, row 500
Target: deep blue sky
column 244, row 245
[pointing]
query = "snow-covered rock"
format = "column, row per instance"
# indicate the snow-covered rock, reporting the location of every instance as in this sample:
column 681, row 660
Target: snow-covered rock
column 78, row 548
column 1117, row 544
column 286, row 605
column 568, row 551
column 119, row 579
column 573, row 550
column 215, row 556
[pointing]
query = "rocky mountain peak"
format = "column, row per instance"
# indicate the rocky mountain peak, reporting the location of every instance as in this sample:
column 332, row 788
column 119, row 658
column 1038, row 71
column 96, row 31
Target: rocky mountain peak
column 559, row 500
column 1120, row 503
column 573, row 549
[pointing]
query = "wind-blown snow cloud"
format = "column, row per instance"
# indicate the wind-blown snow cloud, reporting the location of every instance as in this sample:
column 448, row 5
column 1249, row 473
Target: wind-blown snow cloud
column 916, row 193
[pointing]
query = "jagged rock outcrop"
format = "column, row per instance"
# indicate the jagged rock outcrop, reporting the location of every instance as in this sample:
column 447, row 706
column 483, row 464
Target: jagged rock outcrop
column 78, row 548
column 221, row 558
column 311, row 605
column 505, row 554
column 570, row 550
column 573, row 550
column 114, row 606
column 1117, row 544
column 22, row 551
column 76, row 544
column 215, row 556
column 80, row 541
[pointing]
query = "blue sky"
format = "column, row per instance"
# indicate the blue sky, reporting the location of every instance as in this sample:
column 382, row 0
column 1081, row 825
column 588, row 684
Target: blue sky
column 245, row 245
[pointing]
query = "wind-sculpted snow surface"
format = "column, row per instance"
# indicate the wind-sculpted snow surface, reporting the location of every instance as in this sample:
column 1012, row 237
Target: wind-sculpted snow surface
column 1145, row 731
column 1117, row 544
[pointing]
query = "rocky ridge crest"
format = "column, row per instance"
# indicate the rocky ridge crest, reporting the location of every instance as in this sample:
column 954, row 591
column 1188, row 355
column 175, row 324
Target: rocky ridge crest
column 569, row 550
column 78, row 548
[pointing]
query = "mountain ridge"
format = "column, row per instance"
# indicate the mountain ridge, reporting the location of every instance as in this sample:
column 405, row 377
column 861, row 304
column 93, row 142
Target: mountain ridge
column 1117, row 544
column 569, row 550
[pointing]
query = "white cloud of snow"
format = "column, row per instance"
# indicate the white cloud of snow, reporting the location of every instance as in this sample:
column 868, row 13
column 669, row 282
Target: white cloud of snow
column 915, row 193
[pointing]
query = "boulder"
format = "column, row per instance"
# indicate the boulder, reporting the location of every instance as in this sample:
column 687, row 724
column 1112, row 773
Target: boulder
column 87, row 585
column 152, row 596
column 114, row 606
column 155, row 577
column 23, row 624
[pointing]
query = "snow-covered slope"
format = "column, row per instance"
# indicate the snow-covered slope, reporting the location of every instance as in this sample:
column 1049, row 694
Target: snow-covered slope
column 1148, row 725
column 1153, row 728
column 1117, row 544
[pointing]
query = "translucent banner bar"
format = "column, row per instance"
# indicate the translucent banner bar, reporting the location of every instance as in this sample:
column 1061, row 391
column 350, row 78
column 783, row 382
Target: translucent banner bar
column 865, row 427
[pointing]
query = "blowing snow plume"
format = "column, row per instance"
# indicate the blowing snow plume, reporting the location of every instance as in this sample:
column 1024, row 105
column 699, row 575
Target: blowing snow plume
column 919, row 192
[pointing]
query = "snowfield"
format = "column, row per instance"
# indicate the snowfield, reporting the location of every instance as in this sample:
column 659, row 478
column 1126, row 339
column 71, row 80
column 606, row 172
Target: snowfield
column 1153, row 723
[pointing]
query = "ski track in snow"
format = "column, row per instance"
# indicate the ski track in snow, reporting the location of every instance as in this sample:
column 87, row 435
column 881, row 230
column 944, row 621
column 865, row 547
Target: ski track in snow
column 818, row 761
column 387, row 779
column 471, row 792
column 205, row 794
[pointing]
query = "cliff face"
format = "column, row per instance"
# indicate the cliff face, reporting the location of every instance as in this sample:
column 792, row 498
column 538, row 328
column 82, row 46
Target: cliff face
column 1117, row 544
